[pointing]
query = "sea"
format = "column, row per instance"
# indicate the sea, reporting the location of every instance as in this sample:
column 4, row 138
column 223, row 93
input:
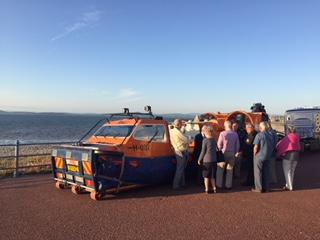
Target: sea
column 51, row 127
column 35, row 128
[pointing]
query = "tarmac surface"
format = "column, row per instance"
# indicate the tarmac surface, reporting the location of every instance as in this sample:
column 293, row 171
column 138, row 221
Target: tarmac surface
column 31, row 208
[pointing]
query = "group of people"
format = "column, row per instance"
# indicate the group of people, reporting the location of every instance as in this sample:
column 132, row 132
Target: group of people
column 221, row 161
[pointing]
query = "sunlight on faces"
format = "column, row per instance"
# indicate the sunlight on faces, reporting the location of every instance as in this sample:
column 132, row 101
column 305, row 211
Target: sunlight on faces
column 178, row 123
column 249, row 128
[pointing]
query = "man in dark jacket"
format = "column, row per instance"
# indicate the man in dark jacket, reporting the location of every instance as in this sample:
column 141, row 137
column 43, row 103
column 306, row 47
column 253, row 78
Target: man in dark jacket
column 242, row 138
column 248, row 154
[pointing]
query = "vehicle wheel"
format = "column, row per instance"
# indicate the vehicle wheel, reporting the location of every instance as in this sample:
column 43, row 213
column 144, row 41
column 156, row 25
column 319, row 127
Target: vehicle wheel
column 75, row 189
column 96, row 196
column 60, row 185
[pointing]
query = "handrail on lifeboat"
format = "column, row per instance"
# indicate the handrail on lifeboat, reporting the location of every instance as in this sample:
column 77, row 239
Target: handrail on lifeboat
column 208, row 116
column 133, row 115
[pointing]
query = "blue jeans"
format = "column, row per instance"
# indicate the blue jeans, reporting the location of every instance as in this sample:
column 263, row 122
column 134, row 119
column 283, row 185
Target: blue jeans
column 261, row 174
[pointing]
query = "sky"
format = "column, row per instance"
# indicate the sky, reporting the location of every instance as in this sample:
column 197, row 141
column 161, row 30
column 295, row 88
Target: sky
column 179, row 56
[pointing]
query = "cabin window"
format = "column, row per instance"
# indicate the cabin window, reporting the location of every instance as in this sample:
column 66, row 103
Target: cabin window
column 154, row 133
column 114, row 131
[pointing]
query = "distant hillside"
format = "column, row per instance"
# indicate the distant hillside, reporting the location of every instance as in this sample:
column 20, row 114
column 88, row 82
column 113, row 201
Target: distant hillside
column 47, row 113
column 169, row 117
column 172, row 116
column 3, row 112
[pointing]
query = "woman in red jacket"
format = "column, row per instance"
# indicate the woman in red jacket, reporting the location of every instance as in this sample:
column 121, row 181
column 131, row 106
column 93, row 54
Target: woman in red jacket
column 289, row 150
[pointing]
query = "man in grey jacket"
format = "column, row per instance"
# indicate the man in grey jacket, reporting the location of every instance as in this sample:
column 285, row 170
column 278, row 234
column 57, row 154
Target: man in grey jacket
column 263, row 150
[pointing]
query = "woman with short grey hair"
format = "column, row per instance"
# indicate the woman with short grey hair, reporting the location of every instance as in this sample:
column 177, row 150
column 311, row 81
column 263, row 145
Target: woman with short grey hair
column 208, row 160
column 289, row 150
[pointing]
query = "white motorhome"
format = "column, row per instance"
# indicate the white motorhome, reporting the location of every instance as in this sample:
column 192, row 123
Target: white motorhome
column 307, row 123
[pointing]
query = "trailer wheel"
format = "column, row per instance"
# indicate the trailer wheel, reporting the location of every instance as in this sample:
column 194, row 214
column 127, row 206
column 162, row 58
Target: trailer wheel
column 75, row 189
column 96, row 196
column 60, row 185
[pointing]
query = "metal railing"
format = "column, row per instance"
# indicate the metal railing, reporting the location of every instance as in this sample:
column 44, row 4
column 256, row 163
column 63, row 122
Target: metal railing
column 17, row 155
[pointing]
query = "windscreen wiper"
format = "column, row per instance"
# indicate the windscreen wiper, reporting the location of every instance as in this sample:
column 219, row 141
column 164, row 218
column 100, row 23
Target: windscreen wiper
column 153, row 137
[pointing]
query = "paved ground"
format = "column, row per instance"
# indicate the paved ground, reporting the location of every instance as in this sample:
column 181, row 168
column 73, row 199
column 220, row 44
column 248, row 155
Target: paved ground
column 31, row 208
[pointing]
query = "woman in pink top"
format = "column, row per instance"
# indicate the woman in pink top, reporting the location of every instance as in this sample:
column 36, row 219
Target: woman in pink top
column 288, row 149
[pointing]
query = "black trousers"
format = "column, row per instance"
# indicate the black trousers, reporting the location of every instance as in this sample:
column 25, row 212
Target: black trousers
column 250, row 171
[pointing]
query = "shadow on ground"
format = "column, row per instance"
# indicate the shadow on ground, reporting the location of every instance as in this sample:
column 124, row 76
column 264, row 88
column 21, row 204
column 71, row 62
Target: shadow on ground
column 307, row 178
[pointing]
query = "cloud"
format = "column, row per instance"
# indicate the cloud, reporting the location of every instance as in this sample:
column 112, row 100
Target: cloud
column 105, row 93
column 87, row 19
column 128, row 95
column 124, row 95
